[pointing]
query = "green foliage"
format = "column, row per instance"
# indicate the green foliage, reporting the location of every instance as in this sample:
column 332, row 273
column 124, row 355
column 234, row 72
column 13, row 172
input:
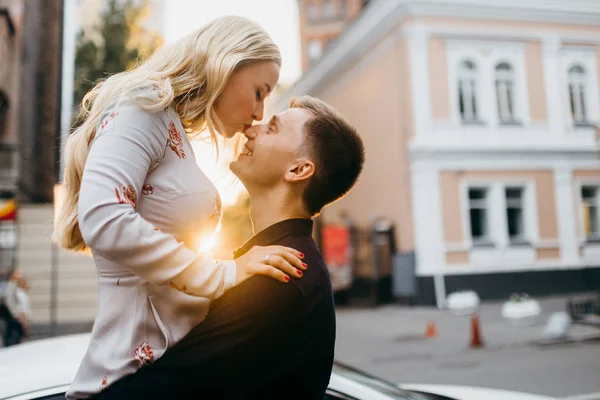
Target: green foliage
column 122, row 42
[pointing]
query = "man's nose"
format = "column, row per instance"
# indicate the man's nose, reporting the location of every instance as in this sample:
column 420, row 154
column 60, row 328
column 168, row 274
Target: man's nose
column 252, row 133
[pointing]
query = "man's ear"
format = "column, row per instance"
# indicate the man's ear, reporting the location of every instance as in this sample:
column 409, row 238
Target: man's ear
column 300, row 171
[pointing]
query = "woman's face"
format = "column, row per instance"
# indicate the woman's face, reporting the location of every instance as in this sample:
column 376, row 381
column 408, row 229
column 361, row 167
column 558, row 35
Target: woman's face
column 243, row 100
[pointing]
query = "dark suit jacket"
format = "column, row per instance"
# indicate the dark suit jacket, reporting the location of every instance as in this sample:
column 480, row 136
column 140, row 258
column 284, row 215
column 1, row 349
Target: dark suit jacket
column 262, row 339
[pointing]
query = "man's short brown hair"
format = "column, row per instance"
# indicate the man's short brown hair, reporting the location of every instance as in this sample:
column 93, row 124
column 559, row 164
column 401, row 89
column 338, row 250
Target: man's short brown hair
column 336, row 149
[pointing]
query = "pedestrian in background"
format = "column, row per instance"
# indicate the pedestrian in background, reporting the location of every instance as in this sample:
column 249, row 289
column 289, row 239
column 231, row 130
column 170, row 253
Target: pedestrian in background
column 18, row 310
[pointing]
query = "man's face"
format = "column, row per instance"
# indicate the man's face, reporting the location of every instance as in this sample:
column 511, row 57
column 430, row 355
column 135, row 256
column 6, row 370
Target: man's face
column 272, row 149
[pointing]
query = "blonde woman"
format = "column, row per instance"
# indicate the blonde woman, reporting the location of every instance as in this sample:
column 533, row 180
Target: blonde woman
column 137, row 200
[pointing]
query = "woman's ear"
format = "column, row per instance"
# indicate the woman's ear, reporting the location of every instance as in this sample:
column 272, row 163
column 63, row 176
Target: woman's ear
column 300, row 171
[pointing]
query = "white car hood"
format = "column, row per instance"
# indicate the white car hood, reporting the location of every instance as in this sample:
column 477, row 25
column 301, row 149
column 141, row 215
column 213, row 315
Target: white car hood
column 40, row 364
column 473, row 393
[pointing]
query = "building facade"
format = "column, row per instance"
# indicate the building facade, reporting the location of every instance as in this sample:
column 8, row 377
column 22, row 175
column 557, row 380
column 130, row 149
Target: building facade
column 321, row 22
column 481, row 126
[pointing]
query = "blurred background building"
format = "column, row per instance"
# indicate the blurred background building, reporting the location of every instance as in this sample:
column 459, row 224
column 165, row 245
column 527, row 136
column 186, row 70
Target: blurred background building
column 480, row 123
column 321, row 22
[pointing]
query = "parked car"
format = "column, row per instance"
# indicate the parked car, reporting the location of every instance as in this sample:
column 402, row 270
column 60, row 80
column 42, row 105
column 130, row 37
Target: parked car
column 43, row 370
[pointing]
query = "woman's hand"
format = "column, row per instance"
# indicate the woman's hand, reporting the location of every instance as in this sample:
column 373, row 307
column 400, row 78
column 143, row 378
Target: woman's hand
column 278, row 262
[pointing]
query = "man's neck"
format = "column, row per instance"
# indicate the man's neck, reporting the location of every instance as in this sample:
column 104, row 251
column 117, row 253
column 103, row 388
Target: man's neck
column 272, row 206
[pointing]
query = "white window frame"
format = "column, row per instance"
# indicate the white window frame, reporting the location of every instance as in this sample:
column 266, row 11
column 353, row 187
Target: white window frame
column 586, row 58
column 309, row 43
column 524, row 237
column 513, row 55
column 470, row 93
column 580, row 185
column 497, row 218
column 344, row 8
column 486, row 55
column 312, row 12
column 487, row 240
column 576, row 106
column 505, row 99
column 329, row 10
column 455, row 59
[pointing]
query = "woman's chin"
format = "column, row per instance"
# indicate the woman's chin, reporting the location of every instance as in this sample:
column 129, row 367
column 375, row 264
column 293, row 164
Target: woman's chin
column 229, row 133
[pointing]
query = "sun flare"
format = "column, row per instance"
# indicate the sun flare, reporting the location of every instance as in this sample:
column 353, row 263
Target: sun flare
column 218, row 170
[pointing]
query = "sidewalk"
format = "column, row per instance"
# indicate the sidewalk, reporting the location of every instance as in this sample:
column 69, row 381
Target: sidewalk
column 407, row 325
column 390, row 342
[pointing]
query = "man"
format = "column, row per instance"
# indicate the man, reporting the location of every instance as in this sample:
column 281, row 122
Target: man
column 264, row 339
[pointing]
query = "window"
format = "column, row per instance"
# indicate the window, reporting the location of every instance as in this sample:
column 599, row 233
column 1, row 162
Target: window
column 315, row 49
column 343, row 8
column 505, row 92
column 515, row 214
column 577, row 96
column 328, row 10
column 467, row 91
column 329, row 41
column 478, row 213
column 590, row 198
column 312, row 12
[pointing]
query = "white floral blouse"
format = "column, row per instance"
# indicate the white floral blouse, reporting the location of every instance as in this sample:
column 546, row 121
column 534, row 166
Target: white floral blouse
column 144, row 208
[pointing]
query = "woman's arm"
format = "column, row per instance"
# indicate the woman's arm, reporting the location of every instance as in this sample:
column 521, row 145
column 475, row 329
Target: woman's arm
column 127, row 144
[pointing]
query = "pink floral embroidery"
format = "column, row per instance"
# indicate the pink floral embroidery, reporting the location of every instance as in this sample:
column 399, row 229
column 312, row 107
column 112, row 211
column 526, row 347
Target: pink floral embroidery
column 108, row 119
column 126, row 195
column 175, row 141
column 143, row 353
column 216, row 207
column 104, row 383
column 147, row 189
column 159, row 91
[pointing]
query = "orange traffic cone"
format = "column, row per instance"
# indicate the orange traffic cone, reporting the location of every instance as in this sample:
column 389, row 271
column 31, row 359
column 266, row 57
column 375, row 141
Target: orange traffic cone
column 476, row 340
column 430, row 331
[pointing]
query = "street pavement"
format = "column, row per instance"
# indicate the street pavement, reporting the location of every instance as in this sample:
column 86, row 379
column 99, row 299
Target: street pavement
column 389, row 342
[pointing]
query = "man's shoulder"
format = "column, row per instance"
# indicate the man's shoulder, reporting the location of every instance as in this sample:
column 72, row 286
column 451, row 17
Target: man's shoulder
column 262, row 289
column 306, row 245
column 315, row 284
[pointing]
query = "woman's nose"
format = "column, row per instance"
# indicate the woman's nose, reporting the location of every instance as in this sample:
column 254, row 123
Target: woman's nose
column 259, row 112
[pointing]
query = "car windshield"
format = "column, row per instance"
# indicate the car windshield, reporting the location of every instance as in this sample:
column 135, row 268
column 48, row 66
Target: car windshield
column 377, row 384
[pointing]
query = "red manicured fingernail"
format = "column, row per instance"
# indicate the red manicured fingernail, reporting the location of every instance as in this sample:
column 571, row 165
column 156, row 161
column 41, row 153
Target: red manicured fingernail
column 301, row 255
column 299, row 272
column 287, row 278
column 304, row 265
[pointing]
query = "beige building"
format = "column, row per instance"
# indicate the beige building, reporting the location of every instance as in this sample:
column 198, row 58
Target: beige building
column 480, row 121
column 321, row 22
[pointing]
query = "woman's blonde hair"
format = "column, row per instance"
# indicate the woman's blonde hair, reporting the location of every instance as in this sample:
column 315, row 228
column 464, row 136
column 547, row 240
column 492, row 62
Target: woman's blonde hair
column 189, row 75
